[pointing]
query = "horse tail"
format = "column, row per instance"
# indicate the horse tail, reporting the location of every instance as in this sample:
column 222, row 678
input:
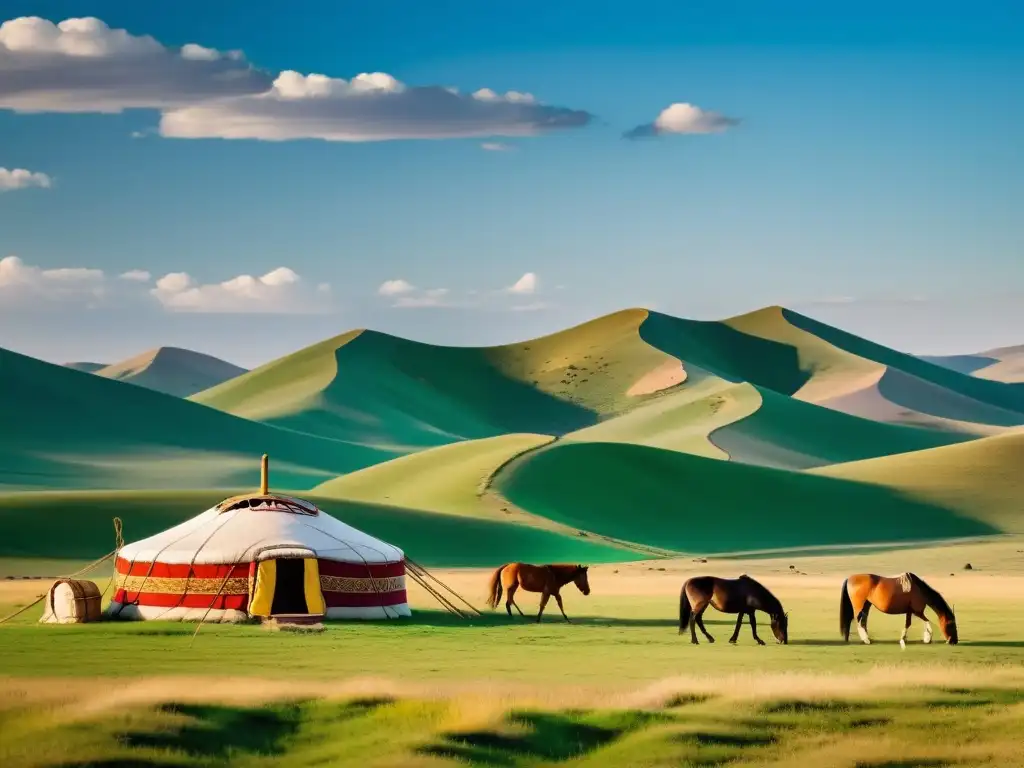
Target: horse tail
column 845, row 612
column 684, row 609
column 494, row 588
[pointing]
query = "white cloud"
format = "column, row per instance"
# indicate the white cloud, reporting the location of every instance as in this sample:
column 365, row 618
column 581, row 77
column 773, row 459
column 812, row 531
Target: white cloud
column 395, row 287
column 280, row 291
column 21, row 283
column 496, row 146
column 406, row 295
column 82, row 65
column 683, row 118
column 369, row 107
column 432, row 297
column 136, row 275
column 526, row 284
column 19, row 178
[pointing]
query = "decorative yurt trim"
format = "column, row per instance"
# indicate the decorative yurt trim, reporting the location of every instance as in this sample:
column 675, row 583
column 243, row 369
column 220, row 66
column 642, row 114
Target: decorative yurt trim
column 260, row 556
column 72, row 601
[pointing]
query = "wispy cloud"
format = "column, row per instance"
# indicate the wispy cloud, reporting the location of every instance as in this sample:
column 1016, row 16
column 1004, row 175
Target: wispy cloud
column 369, row 107
column 527, row 284
column 82, row 65
column 19, row 178
column 280, row 291
column 403, row 294
column 683, row 118
column 22, row 284
column 136, row 275
column 497, row 146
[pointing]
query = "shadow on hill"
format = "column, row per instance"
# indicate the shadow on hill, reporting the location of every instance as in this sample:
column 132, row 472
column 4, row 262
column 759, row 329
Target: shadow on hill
column 689, row 503
column 78, row 430
column 1007, row 396
column 394, row 392
column 791, row 434
column 726, row 352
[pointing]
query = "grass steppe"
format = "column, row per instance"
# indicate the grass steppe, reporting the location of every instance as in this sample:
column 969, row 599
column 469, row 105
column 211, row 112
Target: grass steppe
column 633, row 434
column 618, row 686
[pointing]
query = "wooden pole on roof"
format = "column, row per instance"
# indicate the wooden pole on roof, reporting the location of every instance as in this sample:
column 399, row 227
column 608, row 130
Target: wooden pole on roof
column 265, row 475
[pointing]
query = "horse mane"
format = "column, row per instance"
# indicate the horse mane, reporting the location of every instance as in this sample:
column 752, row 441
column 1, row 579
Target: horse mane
column 937, row 601
column 575, row 568
column 770, row 600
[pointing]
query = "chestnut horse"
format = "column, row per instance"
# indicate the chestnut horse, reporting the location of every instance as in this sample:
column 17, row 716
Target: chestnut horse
column 742, row 596
column 546, row 579
column 906, row 593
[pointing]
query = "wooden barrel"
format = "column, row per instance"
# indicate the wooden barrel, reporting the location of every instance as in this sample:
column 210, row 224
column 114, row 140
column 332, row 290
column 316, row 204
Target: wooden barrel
column 72, row 601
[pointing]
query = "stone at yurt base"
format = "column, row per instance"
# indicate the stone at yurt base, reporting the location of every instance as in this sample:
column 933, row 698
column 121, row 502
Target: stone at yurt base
column 71, row 601
column 260, row 556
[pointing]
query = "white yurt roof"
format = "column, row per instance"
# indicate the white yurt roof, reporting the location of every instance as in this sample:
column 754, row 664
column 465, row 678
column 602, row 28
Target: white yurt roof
column 238, row 529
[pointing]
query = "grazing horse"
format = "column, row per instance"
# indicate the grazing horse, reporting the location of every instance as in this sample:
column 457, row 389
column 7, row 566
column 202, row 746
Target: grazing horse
column 906, row 593
column 546, row 579
column 742, row 596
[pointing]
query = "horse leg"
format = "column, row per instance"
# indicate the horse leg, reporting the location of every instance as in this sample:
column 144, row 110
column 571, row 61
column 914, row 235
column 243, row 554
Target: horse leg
column 558, row 599
column 543, row 601
column 906, row 628
column 700, row 623
column 510, row 600
column 862, row 623
column 753, row 628
column 927, row 625
column 698, row 609
column 736, row 632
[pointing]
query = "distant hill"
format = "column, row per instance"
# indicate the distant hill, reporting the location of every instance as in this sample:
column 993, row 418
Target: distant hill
column 1005, row 364
column 174, row 371
column 633, row 434
column 86, row 367
column 64, row 429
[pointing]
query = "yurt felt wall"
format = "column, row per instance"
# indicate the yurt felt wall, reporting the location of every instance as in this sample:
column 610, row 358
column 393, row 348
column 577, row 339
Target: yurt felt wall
column 72, row 601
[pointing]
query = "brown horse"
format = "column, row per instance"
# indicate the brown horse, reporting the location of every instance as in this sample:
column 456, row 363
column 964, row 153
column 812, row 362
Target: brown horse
column 742, row 596
column 906, row 593
column 546, row 579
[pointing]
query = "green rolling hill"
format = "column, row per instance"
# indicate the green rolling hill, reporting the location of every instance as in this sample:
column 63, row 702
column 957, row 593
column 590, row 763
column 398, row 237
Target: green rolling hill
column 631, row 433
column 65, row 429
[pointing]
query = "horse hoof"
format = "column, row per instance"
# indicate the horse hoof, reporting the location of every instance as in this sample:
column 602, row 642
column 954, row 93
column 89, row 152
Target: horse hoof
column 694, row 642
column 760, row 642
column 732, row 642
column 711, row 639
column 903, row 644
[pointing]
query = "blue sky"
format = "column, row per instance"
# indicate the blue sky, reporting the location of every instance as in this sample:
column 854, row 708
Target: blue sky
column 873, row 180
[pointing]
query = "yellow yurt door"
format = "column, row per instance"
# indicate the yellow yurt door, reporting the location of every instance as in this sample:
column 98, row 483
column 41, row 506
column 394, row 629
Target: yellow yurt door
column 287, row 586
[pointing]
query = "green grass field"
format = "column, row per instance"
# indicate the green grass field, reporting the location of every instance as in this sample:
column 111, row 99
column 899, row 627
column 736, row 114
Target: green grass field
column 618, row 686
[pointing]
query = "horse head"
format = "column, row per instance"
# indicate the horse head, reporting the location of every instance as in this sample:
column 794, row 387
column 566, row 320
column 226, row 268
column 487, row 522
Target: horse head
column 580, row 579
column 948, row 626
column 780, row 627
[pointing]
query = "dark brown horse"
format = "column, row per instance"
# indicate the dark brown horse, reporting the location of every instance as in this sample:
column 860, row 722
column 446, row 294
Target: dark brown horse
column 546, row 579
column 742, row 596
column 906, row 593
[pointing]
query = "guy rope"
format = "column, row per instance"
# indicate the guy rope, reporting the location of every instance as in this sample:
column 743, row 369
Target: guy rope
column 118, row 543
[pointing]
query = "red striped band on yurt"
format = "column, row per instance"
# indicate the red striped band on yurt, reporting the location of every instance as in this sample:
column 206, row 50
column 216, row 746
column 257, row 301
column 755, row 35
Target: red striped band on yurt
column 168, row 585
column 362, row 585
column 344, row 585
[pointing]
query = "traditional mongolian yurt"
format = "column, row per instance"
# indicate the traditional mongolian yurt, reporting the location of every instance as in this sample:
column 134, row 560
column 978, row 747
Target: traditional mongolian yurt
column 260, row 555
